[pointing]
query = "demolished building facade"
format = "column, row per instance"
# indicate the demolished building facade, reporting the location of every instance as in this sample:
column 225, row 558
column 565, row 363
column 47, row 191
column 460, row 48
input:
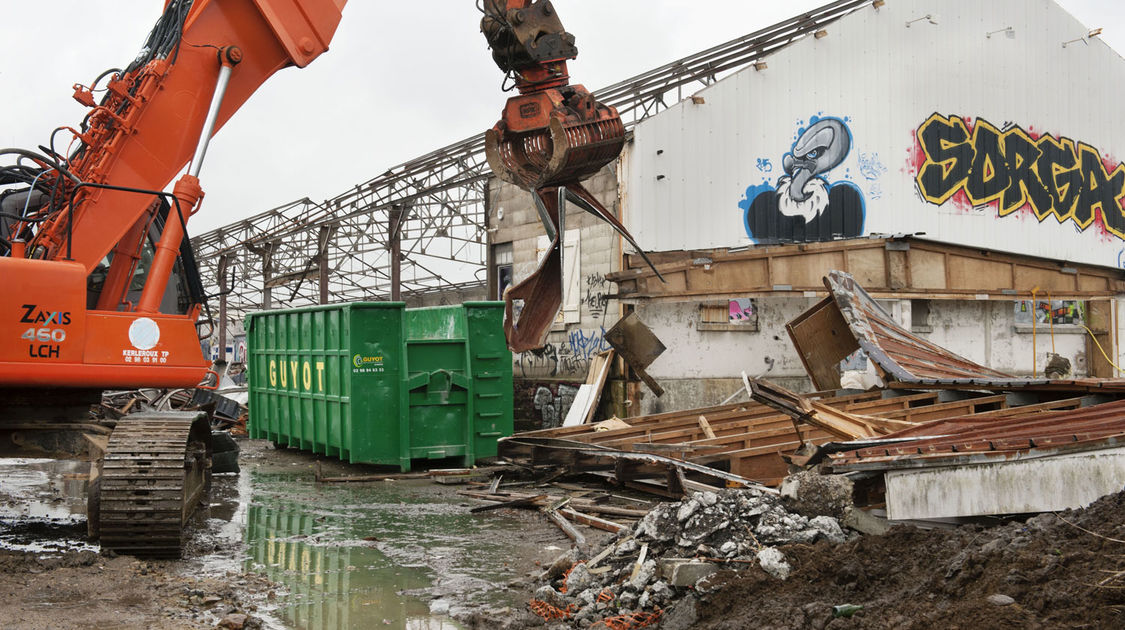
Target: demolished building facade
column 984, row 220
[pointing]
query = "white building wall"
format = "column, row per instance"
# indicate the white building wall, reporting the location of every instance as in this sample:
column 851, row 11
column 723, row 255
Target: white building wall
column 986, row 332
column 694, row 353
column 691, row 166
column 703, row 367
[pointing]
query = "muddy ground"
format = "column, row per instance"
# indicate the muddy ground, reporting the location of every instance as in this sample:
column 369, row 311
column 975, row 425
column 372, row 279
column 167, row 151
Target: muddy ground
column 408, row 554
column 277, row 547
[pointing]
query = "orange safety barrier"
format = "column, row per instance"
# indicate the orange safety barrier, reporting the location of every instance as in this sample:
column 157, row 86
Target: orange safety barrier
column 549, row 612
column 640, row 619
column 605, row 596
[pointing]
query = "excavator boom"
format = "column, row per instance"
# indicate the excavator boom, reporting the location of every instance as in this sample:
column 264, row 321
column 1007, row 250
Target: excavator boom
column 93, row 236
column 100, row 285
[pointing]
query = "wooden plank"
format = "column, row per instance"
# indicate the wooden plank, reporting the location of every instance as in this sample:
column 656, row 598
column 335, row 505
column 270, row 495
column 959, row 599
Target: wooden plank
column 593, row 521
column 1099, row 315
column 976, row 274
column 822, row 339
column 581, row 407
column 570, row 530
column 804, row 271
column 846, row 425
column 706, row 427
column 522, row 502
column 603, row 361
column 867, row 266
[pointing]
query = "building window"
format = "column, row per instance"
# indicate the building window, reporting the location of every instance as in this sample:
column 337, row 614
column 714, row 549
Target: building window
column 1067, row 314
column 740, row 314
column 920, row 316
column 502, row 263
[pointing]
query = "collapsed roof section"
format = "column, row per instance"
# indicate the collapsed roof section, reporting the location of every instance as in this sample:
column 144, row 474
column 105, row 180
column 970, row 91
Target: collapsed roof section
column 1017, row 433
column 849, row 319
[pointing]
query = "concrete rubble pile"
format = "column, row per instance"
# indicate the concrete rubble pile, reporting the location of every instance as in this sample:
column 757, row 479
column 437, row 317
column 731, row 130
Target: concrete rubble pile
column 676, row 550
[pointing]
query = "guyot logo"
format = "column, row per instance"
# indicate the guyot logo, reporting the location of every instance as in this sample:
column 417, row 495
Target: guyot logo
column 361, row 361
column 367, row 364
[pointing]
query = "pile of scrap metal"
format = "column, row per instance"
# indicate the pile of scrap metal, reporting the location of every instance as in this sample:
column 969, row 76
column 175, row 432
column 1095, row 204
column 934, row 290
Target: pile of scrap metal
column 227, row 414
column 942, row 438
column 226, row 404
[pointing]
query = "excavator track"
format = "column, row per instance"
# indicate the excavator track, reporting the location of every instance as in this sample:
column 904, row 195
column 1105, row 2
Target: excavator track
column 156, row 471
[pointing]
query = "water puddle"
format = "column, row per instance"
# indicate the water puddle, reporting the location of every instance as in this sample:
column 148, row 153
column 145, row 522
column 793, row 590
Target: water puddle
column 405, row 554
column 43, row 505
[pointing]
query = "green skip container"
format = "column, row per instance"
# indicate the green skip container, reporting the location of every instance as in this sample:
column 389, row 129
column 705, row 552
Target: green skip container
column 377, row 383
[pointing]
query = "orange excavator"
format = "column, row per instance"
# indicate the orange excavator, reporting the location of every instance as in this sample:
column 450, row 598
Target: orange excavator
column 101, row 290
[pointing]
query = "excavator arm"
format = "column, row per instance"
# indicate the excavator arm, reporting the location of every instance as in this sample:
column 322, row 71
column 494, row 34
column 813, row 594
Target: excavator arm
column 147, row 126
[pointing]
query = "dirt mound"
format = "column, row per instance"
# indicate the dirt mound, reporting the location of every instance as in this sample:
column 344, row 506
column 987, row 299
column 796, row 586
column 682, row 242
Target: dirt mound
column 1046, row 572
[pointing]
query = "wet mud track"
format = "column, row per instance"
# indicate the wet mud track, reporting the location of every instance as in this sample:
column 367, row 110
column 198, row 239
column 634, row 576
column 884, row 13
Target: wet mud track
column 275, row 544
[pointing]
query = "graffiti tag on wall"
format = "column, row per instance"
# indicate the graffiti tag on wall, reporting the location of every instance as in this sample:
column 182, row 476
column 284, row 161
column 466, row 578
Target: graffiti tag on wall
column 1050, row 312
column 1013, row 169
column 570, row 357
column 803, row 205
column 743, row 310
column 542, row 405
column 597, row 294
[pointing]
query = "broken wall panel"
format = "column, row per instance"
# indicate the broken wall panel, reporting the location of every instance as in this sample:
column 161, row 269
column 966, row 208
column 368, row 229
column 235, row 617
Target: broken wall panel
column 822, row 340
column 1008, row 487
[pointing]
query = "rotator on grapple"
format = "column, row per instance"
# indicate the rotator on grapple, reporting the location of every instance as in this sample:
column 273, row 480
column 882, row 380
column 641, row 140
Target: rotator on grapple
column 551, row 136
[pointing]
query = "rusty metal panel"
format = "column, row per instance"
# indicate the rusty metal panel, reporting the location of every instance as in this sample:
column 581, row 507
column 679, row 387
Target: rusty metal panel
column 635, row 341
column 907, row 360
column 900, row 354
column 638, row 346
column 984, row 438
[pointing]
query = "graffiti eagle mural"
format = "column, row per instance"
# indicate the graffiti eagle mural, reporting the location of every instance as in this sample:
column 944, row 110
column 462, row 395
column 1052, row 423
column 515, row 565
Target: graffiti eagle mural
column 803, row 205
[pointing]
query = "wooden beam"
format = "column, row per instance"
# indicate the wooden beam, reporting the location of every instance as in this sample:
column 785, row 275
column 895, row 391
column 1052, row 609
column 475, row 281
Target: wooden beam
column 593, row 521
column 706, row 427
column 901, row 268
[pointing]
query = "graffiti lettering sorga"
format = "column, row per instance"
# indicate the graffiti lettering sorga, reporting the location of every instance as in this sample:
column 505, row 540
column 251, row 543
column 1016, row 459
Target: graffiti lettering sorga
column 1013, row 169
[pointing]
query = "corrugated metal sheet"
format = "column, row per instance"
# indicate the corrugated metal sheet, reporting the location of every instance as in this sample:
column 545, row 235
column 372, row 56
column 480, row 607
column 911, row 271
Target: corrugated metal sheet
column 908, row 360
column 985, row 438
column 750, row 437
column 690, row 167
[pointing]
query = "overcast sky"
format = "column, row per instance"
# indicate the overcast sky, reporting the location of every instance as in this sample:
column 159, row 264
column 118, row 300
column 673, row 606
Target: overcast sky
column 401, row 79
